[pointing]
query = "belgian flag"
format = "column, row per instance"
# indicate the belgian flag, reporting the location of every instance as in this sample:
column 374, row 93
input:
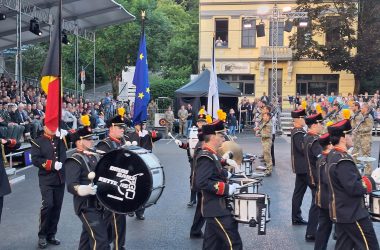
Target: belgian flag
column 50, row 82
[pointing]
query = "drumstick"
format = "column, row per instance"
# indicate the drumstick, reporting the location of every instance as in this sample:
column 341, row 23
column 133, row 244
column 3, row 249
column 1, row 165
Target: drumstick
column 173, row 138
column 91, row 177
column 248, row 184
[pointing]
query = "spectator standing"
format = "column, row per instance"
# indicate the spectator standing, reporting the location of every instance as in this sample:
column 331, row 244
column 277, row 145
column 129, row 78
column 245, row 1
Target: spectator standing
column 169, row 118
column 265, row 99
column 232, row 123
column 190, row 118
column 182, row 116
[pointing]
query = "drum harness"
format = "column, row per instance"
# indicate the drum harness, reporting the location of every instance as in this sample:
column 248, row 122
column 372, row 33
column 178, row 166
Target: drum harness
column 85, row 159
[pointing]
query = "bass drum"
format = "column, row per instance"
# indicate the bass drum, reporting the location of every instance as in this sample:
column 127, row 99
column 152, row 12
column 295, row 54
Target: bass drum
column 128, row 179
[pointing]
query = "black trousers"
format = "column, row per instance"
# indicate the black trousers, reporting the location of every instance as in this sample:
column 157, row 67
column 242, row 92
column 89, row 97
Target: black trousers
column 1, row 206
column 193, row 194
column 199, row 220
column 116, row 227
column 272, row 149
column 358, row 235
column 312, row 222
column 300, row 187
column 324, row 229
column 52, row 198
column 222, row 233
column 94, row 231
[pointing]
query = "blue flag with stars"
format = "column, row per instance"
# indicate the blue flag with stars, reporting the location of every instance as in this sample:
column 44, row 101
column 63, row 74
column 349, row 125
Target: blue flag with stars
column 141, row 81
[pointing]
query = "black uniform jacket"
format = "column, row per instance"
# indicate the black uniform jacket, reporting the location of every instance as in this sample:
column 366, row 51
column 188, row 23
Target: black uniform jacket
column 110, row 143
column 346, row 189
column 77, row 168
column 5, row 188
column 312, row 150
column 211, row 180
column 322, row 196
column 299, row 163
column 44, row 155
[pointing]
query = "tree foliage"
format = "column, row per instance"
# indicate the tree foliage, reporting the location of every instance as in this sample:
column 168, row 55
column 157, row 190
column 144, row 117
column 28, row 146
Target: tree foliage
column 354, row 29
column 171, row 30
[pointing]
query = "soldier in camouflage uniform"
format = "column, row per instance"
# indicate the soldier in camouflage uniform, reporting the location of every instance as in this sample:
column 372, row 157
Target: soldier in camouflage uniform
column 355, row 120
column 365, row 136
column 266, row 141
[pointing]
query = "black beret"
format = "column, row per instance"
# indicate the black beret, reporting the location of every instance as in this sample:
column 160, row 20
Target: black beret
column 213, row 128
column 339, row 129
column 299, row 113
column 115, row 121
column 312, row 119
column 324, row 139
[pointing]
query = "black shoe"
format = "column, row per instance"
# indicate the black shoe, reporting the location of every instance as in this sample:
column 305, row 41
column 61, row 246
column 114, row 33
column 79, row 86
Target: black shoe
column 131, row 214
column 53, row 241
column 309, row 238
column 140, row 217
column 191, row 204
column 196, row 235
column 42, row 243
column 299, row 222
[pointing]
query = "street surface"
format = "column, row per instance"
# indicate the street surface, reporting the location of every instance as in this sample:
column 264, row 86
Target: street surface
column 167, row 223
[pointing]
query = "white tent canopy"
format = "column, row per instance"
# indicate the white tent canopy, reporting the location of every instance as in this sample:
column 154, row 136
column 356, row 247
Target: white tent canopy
column 81, row 17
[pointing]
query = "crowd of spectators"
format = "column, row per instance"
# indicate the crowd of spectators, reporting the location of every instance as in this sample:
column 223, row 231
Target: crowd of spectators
column 22, row 116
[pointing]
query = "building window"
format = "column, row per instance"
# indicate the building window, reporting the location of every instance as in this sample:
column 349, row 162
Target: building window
column 221, row 32
column 317, row 84
column 244, row 83
column 248, row 34
column 281, row 26
column 304, row 36
column 332, row 30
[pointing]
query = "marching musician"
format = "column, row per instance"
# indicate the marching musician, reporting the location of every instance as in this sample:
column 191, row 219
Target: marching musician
column 312, row 149
column 51, row 176
column 144, row 139
column 115, row 140
column 298, row 165
column 347, row 189
column 79, row 183
column 198, row 221
column 211, row 179
column 5, row 188
column 322, row 196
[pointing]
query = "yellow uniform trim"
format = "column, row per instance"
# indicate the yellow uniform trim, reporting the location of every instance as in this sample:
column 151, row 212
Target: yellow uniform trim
column 362, row 233
column 228, row 237
column 92, row 233
column 116, row 232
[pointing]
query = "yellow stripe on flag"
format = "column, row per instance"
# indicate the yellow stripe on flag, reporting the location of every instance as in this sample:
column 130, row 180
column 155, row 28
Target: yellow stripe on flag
column 45, row 82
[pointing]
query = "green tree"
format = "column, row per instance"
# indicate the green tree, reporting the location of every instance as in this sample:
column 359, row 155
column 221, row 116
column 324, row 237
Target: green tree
column 352, row 46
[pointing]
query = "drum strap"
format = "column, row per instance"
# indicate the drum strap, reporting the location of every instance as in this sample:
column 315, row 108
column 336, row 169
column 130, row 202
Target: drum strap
column 85, row 159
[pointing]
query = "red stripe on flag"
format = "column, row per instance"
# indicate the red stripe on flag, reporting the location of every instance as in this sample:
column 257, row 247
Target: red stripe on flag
column 52, row 106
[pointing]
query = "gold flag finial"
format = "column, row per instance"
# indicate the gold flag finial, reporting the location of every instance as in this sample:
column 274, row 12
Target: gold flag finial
column 143, row 14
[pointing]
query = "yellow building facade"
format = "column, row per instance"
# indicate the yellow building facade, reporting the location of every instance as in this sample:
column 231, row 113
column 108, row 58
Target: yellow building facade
column 245, row 60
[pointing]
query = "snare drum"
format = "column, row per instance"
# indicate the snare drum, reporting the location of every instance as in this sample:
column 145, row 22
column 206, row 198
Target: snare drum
column 253, row 188
column 374, row 205
column 247, row 207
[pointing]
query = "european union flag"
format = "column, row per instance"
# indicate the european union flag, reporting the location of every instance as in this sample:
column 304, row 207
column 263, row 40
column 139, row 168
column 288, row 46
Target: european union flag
column 141, row 80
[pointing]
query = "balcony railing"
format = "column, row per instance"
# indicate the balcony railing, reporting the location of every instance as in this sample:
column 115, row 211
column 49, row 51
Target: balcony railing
column 284, row 53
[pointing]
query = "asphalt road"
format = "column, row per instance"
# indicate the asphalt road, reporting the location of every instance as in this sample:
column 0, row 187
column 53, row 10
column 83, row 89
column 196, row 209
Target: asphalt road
column 167, row 224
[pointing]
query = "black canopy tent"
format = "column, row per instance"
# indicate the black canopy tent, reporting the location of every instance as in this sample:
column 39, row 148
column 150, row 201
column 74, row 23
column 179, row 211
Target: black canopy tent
column 196, row 92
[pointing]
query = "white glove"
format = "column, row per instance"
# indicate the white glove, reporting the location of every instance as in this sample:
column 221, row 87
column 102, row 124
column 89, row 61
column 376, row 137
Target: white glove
column 232, row 163
column 229, row 175
column 61, row 133
column 233, row 188
column 128, row 143
column 57, row 165
column 178, row 142
column 376, row 175
column 227, row 155
column 134, row 143
column 84, row 190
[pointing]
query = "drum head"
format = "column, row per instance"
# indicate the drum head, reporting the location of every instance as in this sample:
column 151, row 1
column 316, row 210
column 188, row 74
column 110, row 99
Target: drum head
column 123, row 179
column 250, row 196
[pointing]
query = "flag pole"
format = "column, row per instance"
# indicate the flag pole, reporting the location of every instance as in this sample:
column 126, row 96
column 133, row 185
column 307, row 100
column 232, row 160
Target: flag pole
column 60, row 73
